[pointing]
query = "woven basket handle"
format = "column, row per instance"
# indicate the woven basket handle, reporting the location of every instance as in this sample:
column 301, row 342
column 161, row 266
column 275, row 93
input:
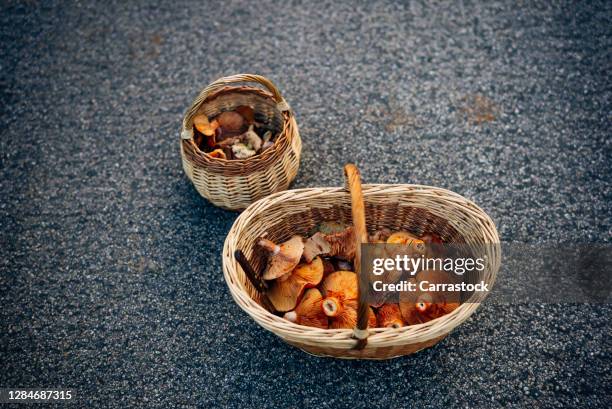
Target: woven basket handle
column 223, row 82
column 353, row 182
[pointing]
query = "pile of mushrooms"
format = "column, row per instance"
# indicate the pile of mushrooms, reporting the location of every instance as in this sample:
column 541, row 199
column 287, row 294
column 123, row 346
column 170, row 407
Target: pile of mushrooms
column 311, row 280
column 232, row 134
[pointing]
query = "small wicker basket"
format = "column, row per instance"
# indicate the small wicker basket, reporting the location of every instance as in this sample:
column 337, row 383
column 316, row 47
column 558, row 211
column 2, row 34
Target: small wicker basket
column 413, row 207
column 234, row 184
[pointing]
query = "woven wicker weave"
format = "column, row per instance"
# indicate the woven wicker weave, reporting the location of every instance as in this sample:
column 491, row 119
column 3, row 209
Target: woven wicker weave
column 397, row 207
column 234, row 184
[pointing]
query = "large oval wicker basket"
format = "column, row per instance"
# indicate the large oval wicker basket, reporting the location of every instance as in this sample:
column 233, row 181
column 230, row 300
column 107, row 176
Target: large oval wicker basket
column 234, row 184
column 397, row 207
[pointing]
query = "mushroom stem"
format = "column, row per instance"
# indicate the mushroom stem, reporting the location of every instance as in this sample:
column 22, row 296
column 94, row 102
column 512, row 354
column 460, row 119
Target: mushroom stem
column 395, row 324
column 291, row 316
column 423, row 303
column 269, row 245
column 331, row 306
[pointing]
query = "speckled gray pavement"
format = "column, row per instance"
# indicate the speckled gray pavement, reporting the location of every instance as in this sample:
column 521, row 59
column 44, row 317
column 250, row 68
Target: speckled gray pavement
column 110, row 262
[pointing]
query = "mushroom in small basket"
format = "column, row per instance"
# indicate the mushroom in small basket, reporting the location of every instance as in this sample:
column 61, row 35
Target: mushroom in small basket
column 309, row 311
column 235, row 132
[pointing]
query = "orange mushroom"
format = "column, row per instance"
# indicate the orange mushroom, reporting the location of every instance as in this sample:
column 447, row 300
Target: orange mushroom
column 286, row 290
column 203, row 125
column 218, row 153
column 347, row 318
column 340, row 290
column 422, row 306
column 283, row 258
column 389, row 316
column 309, row 311
column 409, row 239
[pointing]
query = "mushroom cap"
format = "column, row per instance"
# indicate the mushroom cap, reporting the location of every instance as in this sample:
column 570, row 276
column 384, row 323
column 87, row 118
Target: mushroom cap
column 316, row 245
column 389, row 315
column 284, row 294
column 403, row 237
column 342, row 287
column 422, row 306
column 341, row 284
column 309, row 312
column 286, row 259
column 231, row 121
column 203, row 125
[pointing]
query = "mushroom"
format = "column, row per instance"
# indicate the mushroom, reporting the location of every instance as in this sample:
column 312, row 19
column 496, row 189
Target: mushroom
column 267, row 145
column 230, row 122
column 309, row 312
column 338, row 288
column 348, row 317
column 283, row 258
column 434, row 244
column 203, row 125
column 380, row 236
column 252, row 139
column 267, row 136
column 315, row 245
column 229, row 141
column 403, row 237
column 285, row 291
column 247, row 113
column 422, row 306
column 340, row 302
column 389, row 316
column 337, row 244
column 242, row 151
column 217, row 153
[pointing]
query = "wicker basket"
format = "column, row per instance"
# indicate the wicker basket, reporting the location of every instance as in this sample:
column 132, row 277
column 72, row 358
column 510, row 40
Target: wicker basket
column 397, row 207
column 234, row 184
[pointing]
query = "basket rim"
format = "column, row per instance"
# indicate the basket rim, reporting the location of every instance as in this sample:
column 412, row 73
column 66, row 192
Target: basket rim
column 343, row 338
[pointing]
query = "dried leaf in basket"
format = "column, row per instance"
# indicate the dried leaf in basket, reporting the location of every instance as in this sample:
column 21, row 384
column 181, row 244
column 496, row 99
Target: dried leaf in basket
column 309, row 311
column 285, row 291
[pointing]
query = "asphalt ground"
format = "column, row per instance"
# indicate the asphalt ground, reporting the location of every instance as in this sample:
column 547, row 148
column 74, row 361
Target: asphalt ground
column 110, row 261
